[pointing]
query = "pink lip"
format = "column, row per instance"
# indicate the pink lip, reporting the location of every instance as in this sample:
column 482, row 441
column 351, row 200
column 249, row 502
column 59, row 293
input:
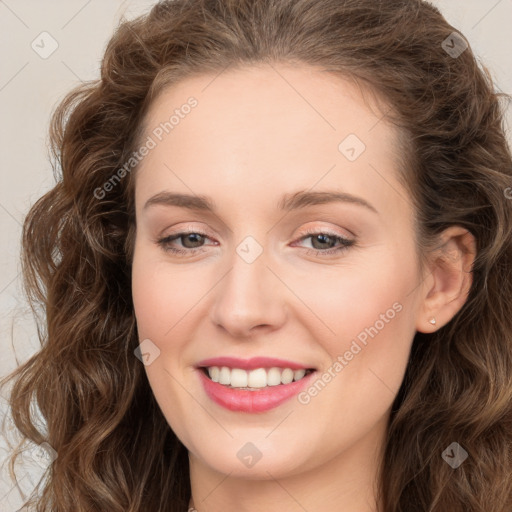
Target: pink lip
column 260, row 400
column 251, row 364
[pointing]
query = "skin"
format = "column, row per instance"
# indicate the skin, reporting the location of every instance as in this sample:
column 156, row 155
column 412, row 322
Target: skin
column 259, row 133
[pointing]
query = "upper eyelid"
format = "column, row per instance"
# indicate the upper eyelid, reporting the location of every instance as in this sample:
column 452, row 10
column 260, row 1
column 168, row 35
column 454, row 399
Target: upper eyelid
column 306, row 232
column 189, row 227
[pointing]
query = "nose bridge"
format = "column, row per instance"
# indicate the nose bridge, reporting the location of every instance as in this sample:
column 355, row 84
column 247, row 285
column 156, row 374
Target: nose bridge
column 248, row 294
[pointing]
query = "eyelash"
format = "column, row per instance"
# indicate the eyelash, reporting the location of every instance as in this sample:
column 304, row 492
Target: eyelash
column 345, row 243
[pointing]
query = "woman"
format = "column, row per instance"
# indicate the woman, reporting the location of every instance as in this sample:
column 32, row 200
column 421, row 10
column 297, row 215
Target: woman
column 204, row 348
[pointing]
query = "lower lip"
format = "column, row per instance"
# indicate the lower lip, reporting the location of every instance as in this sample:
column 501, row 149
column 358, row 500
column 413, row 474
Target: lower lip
column 261, row 400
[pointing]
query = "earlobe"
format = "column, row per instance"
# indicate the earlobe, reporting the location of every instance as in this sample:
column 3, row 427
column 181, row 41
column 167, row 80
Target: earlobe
column 450, row 279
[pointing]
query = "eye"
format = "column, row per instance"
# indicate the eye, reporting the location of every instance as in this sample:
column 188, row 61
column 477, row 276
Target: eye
column 193, row 242
column 321, row 239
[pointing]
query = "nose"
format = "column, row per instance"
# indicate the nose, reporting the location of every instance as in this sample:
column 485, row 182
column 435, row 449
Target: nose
column 249, row 299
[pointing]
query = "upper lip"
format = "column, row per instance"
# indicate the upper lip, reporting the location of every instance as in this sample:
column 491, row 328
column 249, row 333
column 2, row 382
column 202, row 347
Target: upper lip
column 252, row 363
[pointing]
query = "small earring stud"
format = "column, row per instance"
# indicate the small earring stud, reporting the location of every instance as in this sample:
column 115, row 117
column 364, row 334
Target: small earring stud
column 432, row 321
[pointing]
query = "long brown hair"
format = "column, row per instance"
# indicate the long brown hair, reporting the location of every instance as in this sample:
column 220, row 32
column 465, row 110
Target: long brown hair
column 115, row 449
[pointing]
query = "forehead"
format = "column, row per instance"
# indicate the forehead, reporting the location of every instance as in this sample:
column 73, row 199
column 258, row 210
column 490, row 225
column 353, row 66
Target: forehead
column 267, row 128
column 277, row 94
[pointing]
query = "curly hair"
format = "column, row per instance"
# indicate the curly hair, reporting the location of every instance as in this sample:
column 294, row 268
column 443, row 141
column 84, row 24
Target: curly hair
column 116, row 451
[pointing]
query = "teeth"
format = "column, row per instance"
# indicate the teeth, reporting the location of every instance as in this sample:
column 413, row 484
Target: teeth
column 274, row 377
column 287, row 376
column 225, row 375
column 254, row 379
column 238, row 378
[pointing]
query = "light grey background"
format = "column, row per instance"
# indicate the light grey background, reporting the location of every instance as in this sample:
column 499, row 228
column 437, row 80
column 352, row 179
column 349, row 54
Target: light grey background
column 31, row 86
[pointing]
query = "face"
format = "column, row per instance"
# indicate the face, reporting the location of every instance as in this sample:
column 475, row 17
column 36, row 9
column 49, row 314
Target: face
column 275, row 273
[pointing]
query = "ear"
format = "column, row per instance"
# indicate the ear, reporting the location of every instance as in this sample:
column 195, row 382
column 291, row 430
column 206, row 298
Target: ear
column 448, row 279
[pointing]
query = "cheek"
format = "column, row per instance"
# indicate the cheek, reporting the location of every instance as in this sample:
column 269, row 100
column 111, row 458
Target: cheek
column 161, row 301
column 162, row 294
column 364, row 319
column 349, row 299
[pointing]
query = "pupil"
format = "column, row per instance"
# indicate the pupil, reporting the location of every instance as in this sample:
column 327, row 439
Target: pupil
column 193, row 235
column 321, row 236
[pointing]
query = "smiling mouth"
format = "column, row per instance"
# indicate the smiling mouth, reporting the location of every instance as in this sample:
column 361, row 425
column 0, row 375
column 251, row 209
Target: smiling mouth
column 252, row 380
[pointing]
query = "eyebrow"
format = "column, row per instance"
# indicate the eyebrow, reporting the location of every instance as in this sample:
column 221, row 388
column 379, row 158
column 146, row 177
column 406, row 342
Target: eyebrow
column 289, row 202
